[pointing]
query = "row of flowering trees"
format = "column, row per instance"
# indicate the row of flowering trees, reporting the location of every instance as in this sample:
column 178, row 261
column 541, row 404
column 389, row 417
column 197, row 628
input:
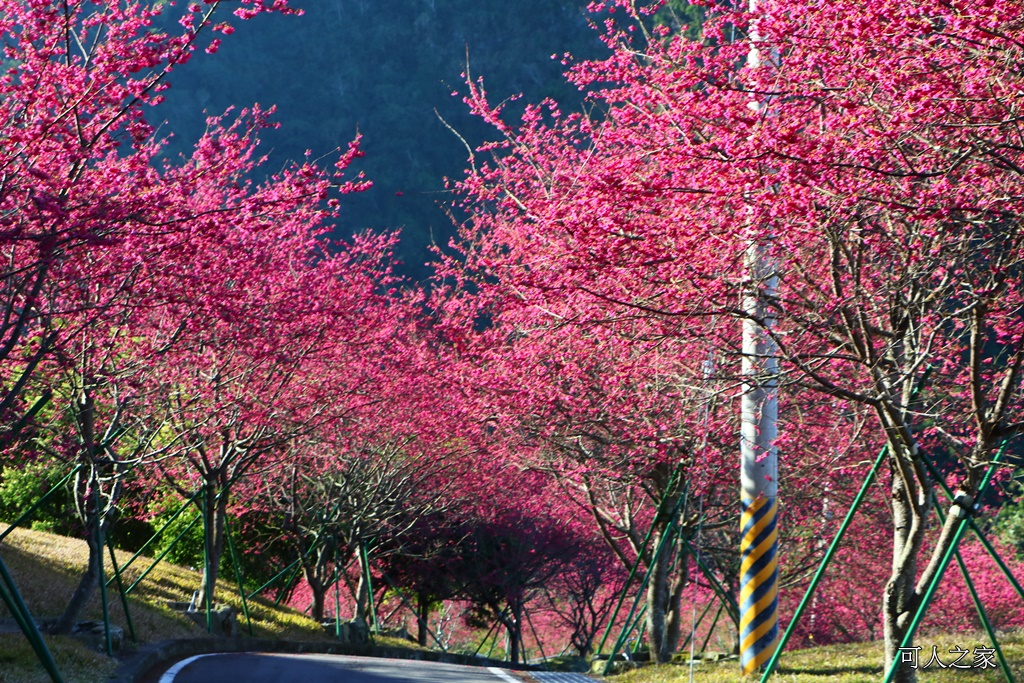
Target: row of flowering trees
column 869, row 159
column 561, row 405
column 179, row 328
column 167, row 324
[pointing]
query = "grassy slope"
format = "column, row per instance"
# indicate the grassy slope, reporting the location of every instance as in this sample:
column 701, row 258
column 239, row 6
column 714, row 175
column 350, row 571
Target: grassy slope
column 850, row 663
column 46, row 569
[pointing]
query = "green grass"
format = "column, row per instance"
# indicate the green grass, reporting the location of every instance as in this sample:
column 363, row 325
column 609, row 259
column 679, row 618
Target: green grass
column 18, row 663
column 848, row 663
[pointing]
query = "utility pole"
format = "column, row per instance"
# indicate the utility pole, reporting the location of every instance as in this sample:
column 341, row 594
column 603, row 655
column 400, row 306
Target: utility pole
column 759, row 613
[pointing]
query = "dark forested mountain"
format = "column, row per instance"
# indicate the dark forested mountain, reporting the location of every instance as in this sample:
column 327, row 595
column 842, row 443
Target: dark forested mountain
column 381, row 69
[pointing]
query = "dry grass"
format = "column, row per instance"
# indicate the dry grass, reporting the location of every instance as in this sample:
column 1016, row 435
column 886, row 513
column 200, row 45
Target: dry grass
column 849, row 663
column 46, row 569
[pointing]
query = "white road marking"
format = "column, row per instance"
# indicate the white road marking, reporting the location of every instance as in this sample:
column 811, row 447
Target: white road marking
column 500, row 673
column 169, row 675
column 560, row 677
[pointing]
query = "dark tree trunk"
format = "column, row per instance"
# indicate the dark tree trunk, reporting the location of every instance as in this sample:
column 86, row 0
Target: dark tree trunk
column 216, row 510
column 318, row 575
column 86, row 585
column 512, row 621
column 319, row 592
column 664, row 598
column 422, row 617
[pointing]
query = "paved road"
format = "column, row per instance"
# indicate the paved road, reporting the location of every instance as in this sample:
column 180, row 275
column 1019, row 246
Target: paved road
column 279, row 668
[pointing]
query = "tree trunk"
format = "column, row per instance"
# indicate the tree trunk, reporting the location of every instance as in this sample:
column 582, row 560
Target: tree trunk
column 93, row 513
column 422, row 617
column 664, row 597
column 318, row 575
column 910, row 510
column 319, row 591
column 86, row 585
column 216, row 510
column 908, row 507
column 88, row 507
column 512, row 622
column 362, row 597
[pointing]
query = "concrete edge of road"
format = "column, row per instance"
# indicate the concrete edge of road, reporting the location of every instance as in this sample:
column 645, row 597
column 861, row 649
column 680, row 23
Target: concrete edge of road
column 150, row 656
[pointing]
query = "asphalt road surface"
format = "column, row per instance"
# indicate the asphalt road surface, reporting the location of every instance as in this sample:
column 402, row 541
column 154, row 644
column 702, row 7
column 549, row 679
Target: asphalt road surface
column 313, row 668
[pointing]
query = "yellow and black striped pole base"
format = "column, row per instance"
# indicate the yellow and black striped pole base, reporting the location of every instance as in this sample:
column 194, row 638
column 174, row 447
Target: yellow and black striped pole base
column 759, row 590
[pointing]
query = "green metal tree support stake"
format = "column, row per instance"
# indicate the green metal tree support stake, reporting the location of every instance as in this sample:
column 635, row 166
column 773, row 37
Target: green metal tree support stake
column 9, row 591
column 711, row 631
column 35, row 506
column 16, row 604
column 643, row 583
column 986, row 622
column 633, row 569
column 288, row 584
column 275, row 578
column 982, row 614
column 238, row 576
column 716, row 587
column 163, row 554
column 19, row 617
column 15, row 430
column 731, row 608
column 405, row 602
column 295, row 574
column 977, row 532
column 488, row 635
column 630, row 627
column 700, row 620
column 624, row 593
column 944, row 562
column 369, row 587
column 337, row 597
column 535, row 637
column 823, row 565
column 523, row 652
column 494, row 644
column 834, row 546
column 120, row 590
column 208, row 598
column 161, row 530
column 640, row 638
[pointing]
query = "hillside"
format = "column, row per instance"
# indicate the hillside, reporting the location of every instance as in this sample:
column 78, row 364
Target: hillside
column 388, row 75
column 45, row 567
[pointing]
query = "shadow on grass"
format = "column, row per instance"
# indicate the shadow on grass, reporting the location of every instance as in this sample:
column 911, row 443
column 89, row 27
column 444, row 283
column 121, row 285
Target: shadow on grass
column 836, row 670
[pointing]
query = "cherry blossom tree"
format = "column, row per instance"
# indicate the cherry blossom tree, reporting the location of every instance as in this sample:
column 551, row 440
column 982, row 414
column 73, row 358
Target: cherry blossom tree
column 636, row 425
column 512, row 542
column 93, row 426
column 583, row 595
column 86, row 211
column 355, row 493
column 76, row 154
column 878, row 178
column 620, row 414
column 284, row 342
